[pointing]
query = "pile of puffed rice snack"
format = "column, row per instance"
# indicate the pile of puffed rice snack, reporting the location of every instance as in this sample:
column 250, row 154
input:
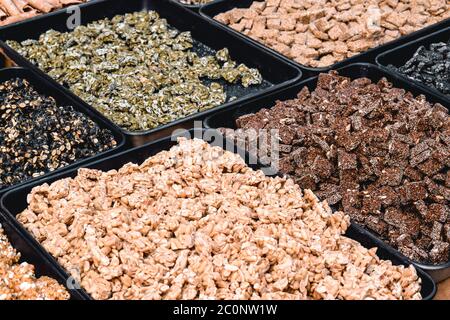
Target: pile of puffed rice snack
column 195, row 222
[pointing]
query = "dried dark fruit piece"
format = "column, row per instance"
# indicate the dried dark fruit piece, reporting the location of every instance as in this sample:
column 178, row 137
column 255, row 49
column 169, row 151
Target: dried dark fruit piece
column 415, row 191
column 371, row 204
column 404, row 240
column 414, row 253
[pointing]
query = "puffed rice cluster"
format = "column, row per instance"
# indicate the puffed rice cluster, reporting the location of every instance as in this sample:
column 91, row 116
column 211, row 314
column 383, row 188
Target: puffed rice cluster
column 195, row 222
column 18, row 281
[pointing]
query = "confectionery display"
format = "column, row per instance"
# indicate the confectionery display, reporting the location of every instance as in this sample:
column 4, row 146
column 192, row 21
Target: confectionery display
column 224, row 150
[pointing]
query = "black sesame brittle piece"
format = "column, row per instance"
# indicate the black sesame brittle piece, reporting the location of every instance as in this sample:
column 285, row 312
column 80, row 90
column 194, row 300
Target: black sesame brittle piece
column 38, row 136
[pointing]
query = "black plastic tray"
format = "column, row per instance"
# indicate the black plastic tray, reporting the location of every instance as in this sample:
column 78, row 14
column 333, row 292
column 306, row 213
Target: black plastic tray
column 276, row 71
column 399, row 56
column 15, row 201
column 228, row 118
column 212, row 9
column 47, row 88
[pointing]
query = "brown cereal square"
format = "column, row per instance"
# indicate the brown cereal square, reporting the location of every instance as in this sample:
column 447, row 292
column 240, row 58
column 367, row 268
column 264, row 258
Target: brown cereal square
column 346, row 160
column 391, row 176
column 415, row 191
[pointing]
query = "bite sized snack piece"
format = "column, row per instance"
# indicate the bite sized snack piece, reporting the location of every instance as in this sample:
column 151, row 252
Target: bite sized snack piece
column 18, row 281
column 137, row 70
column 321, row 33
column 430, row 66
column 12, row 11
column 374, row 151
column 38, row 136
column 195, row 222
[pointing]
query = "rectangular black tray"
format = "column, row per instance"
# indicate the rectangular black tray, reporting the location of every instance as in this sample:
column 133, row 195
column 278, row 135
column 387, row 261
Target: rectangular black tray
column 212, row 9
column 276, row 71
column 400, row 55
column 227, row 119
column 63, row 99
column 14, row 202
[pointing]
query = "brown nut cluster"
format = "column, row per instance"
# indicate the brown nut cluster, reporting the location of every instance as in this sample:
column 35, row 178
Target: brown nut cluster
column 374, row 151
column 195, row 222
column 12, row 11
column 18, row 281
column 319, row 33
